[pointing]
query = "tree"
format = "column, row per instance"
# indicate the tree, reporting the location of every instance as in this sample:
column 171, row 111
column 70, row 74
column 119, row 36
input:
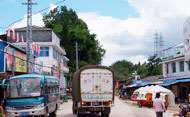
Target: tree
column 70, row 29
column 142, row 70
column 154, row 66
column 123, row 69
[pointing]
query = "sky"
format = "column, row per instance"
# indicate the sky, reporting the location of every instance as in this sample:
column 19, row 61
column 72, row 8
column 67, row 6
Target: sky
column 124, row 28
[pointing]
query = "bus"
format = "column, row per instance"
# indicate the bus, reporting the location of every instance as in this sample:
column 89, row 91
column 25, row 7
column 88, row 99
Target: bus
column 31, row 95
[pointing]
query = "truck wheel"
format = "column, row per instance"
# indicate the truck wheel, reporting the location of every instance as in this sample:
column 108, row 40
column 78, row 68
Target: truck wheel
column 105, row 115
column 78, row 113
column 74, row 108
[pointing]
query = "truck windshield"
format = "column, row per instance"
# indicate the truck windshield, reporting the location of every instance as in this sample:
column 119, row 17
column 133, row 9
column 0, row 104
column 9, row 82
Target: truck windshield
column 23, row 87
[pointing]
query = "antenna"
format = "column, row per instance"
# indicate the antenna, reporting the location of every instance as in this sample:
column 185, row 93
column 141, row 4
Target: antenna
column 158, row 44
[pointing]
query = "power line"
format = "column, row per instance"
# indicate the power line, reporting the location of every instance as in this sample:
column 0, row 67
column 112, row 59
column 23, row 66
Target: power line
column 33, row 14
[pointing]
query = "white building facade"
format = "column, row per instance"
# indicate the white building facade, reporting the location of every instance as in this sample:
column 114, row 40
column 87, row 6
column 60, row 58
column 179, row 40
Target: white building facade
column 176, row 72
column 174, row 66
column 51, row 55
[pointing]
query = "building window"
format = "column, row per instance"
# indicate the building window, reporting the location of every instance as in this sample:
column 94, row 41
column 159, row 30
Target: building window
column 174, row 67
column 167, row 68
column 44, row 51
column 181, row 66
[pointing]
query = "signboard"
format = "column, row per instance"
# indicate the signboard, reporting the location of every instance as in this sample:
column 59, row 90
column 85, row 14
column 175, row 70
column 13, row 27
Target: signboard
column 9, row 52
column 20, row 62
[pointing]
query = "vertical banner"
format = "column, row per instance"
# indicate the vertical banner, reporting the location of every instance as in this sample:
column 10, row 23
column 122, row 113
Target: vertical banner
column 186, row 32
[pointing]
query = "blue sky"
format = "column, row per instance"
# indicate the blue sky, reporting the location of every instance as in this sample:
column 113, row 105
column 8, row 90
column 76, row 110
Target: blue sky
column 124, row 28
column 12, row 10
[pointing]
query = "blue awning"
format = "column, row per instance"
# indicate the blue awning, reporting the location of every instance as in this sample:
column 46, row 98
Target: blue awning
column 171, row 82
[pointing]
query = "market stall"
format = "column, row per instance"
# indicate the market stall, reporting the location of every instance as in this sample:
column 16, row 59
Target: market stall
column 147, row 94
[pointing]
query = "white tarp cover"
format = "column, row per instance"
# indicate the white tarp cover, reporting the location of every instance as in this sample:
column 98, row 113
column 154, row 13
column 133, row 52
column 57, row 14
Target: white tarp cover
column 155, row 89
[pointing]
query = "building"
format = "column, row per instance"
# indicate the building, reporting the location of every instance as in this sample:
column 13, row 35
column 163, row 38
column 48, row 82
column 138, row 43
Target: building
column 176, row 72
column 12, row 60
column 50, row 55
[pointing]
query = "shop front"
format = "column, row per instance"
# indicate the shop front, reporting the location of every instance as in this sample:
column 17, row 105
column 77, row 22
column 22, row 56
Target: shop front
column 180, row 88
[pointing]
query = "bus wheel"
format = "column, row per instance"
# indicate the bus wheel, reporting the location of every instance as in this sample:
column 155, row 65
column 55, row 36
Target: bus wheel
column 52, row 114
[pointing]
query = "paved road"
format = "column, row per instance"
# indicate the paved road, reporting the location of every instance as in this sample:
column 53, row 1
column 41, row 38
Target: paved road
column 121, row 109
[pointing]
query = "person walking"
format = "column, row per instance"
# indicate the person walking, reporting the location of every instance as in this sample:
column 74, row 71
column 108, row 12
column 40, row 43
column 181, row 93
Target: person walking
column 159, row 105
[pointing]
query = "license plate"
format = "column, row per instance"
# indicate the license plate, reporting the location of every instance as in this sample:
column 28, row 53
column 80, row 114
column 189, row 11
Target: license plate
column 95, row 103
column 24, row 113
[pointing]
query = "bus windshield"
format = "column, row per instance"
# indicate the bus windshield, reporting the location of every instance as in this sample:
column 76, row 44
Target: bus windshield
column 23, row 87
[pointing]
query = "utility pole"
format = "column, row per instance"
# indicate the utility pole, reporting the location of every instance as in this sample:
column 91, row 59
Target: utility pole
column 29, row 34
column 76, row 48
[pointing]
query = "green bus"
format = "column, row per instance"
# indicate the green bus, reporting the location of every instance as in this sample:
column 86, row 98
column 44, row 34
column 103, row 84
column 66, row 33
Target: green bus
column 31, row 95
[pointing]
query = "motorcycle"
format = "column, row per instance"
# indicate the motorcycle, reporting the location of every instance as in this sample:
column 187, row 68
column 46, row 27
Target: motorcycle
column 184, row 110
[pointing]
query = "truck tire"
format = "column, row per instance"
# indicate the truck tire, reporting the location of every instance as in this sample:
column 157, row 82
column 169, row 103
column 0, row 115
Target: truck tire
column 74, row 108
column 104, row 115
column 106, row 112
column 78, row 113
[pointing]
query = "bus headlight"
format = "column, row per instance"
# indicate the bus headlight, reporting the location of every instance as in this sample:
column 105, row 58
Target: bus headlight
column 10, row 108
column 39, row 106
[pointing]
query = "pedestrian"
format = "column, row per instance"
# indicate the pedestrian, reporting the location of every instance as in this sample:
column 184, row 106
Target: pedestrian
column 159, row 105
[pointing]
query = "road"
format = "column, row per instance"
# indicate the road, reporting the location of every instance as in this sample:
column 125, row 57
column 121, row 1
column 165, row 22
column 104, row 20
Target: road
column 121, row 109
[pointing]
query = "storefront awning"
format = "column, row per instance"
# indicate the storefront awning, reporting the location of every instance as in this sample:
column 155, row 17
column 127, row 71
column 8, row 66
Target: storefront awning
column 171, row 82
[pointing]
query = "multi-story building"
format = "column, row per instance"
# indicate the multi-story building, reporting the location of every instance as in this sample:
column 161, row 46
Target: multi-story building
column 176, row 71
column 51, row 55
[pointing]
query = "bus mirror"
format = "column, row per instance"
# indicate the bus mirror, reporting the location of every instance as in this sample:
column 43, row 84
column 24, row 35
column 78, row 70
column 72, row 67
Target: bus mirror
column 4, row 83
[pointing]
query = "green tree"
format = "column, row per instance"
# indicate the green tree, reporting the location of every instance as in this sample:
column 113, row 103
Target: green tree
column 70, row 29
column 142, row 70
column 154, row 65
column 123, row 69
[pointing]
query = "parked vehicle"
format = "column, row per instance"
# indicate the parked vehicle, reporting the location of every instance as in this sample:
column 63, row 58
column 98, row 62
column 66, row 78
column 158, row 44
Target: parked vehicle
column 93, row 90
column 31, row 94
column 134, row 96
column 184, row 111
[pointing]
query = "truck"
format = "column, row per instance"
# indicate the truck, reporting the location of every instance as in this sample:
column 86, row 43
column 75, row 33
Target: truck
column 93, row 90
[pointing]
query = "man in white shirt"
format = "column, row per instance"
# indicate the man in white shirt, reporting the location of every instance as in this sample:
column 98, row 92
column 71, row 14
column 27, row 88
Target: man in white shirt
column 159, row 105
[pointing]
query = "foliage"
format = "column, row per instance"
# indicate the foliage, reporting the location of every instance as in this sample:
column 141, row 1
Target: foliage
column 70, row 29
column 122, row 69
column 142, row 70
column 154, row 66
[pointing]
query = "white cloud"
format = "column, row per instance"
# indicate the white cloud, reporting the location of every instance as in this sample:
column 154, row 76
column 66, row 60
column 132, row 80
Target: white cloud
column 132, row 38
column 52, row 7
column 37, row 20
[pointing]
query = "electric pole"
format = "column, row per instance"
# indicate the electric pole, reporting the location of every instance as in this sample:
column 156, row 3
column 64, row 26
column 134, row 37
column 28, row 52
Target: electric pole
column 76, row 46
column 29, row 35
